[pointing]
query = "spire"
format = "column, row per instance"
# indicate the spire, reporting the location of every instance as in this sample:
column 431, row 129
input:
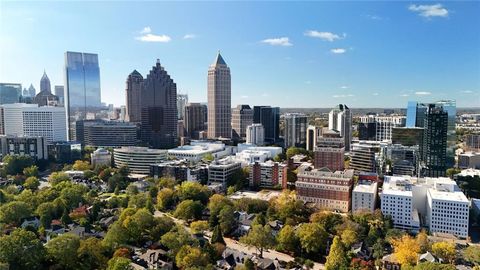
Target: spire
column 219, row 60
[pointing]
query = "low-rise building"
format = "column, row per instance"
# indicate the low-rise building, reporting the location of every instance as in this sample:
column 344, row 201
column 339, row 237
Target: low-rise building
column 273, row 150
column 34, row 147
column 364, row 196
column 101, row 157
column 328, row 190
column 220, row 171
column 247, row 157
column 138, row 159
column 198, row 149
column 469, row 160
column 472, row 142
column 101, row 133
column 267, row 174
column 180, row 170
column 65, row 152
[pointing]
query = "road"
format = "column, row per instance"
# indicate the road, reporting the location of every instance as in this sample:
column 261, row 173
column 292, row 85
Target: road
column 233, row 244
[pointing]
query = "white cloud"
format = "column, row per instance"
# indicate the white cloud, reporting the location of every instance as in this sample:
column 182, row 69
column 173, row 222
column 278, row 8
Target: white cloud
column 189, row 36
column 374, row 17
column 344, row 87
column 327, row 36
column 264, row 95
column 244, row 96
column 146, row 30
column 467, row 92
column 375, row 94
column 338, row 50
column 308, row 82
column 282, row 41
column 147, row 36
column 428, row 11
column 404, row 95
column 343, row 96
column 422, row 93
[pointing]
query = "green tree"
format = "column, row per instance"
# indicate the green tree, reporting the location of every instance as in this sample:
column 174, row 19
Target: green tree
column 81, row 165
column 91, row 254
column 433, row 266
column 188, row 257
column 31, row 171
column 176, row 238
column 260, row 237
column 189, row 190
column 444, row 250
column 189, row 210
column 227, row 220
column 199, row 226
column 46, row 211
column 327, row 220
column 58, row 177
column 336, row 259
column 119, row 263
column 287, row 239
column 472, row 254
column 14, row 212
column 208, row 157
column 63, row 250
column 422, row 241
column 452, row 171
column 217, row 236
column 166, row 199
column 313, row 237
column 21, row 249
column 349, row 237
column 378, row 249
column 32, row 183
column 14, row 164
column 116, row 236
column 292, row 151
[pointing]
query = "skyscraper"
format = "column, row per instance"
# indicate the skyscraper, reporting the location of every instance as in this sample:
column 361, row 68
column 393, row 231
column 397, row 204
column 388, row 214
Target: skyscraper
column 242, row 116
column 133, row 93
column 82, row 87
column 182, row 100
column 45, row 83
column 255, row 134
column 340, row 119
column 313, row 133
column 10, row 93
column 159, row 109
column 451, row 108
column 269, row 117
column 295, row 129
column 434, row 153
column 219, row 100
column 194, row 118
column 59, row 92
column 31, row 91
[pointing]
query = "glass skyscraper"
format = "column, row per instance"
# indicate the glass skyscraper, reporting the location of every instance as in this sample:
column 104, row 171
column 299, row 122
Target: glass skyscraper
column 450, row 107
column 82, row 87
column 10, row 93
column 411, row 114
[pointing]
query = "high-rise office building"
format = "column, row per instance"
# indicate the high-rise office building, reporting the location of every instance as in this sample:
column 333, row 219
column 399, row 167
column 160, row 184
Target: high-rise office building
column 313, row 133
column 82, row 87
column 408, row 136
column 450, row 107
column 434, row 152
column 415, row 114
column 340, row 119
column 383, row 126
column 255, row 134
column 31, row 120
column 159, row 109
column 59, row 92
column 133, row 92
column 45, row 83
column 31, row 91
column 242, row 116
column 182, row 100
column 10, row 93
column 194, row 121
column 330, row 153
column 269, row 117
column 363, row 157
column 219, row 100
column 101, row 133
column 295, row 129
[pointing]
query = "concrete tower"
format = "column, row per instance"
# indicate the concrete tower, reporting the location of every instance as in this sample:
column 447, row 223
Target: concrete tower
column 219, row 100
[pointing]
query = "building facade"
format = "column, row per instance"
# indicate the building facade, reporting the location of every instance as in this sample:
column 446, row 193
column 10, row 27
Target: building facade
column 133, row 97
column 313, row 133
column 45, row 83
column 295, row 130
column 22, row 119
column 255, row 134
column 330, row 153
column 138, row 159
column 182, row 101
column 159, row 109
column 221, row 171
column 101, row 157
column 434, row 152
column 363, row 156
column 194, row 119
column 242, row 117
column 364, row 196
column 219, row 100
column 472, row 142
column 269, row 117
column 180, row 170
column 65, row 152
column 340, row 119
column 267, row 174
column 102, row 133
column 60, row 93
column 34, row 147
column 407, row 136
column 10, row 93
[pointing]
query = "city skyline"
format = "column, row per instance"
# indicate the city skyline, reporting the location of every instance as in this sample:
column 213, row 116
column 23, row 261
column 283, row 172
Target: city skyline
column 374, row 55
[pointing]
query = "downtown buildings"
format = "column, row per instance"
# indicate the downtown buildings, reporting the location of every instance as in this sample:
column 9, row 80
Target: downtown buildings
column 340, row 119
column 295, row 129
column 219, row 100
column 133, row 97
column 242, row 117
column 269, row 117
column 194, row 119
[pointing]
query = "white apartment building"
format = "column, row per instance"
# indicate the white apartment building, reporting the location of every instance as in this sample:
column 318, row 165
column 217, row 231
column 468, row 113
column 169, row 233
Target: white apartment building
column 273, row 150
column 138, row 159
column 255, row 134
column 364, row 196
column 434, row 203
column 247, row 157
column 219, row 171
column 384, row 125
column 198, row 149
column 20, row 119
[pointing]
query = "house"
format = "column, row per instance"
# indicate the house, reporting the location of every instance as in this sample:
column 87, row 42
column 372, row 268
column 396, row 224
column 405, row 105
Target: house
column 30, row 221
column 244, row 221
column 427, row 257
column 389, row 262
column 55, row 229
column 276, row 226
column 152, row 259
column 77, row 230
column 361, row 251
column 107, row 221
column 231, row 258
column 142, row 185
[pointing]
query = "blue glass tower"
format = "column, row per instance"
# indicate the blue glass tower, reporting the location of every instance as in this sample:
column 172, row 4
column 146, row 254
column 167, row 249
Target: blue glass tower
column 411, row 114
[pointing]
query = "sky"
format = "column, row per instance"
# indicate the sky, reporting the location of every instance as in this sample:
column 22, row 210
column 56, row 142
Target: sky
column 287, row 54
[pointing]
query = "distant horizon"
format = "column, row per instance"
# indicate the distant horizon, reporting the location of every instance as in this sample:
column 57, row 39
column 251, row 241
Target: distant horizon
column 375, row 55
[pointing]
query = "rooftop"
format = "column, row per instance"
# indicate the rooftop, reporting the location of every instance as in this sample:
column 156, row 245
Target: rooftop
column 265, row 195
column 366, row 187
column 138, row 149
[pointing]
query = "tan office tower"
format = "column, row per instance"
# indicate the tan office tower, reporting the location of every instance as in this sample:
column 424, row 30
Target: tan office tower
column 219, row 100
column 133, row 93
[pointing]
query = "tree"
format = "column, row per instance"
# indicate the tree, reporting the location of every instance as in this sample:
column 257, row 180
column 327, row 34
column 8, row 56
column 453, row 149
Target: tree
column 14, row 164
column 217, row 236
column 292, row 151
column 472, row 254
column 31, row 171
column 208, row 157
column 444, row 251
column 63, row 250
column 189, row 210
column 406, row 250
column 313, row 237
column 191, row 257
column 21, row 249
column 81, row 165
column 287, row 206
column 327, row 220
column 119, row 263
column 336, row 259
column 91, row 254
column 190, row 190
column 46, row 211
column 199, row 226
column 349, row 237
column 452, row 171
column 422, row 241
column 287, row 240
column 57, row 177
column 227, row 220
column 260, row 237
column 14, row 212
column 165, row 199
column 138, row 226
column 217, row 202
column 32, row 183
column 176, row 238
column 433, row 266
column 378, row 249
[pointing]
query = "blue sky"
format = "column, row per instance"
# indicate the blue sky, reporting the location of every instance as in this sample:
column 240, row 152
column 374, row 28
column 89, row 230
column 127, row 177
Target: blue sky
column 287, row 54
